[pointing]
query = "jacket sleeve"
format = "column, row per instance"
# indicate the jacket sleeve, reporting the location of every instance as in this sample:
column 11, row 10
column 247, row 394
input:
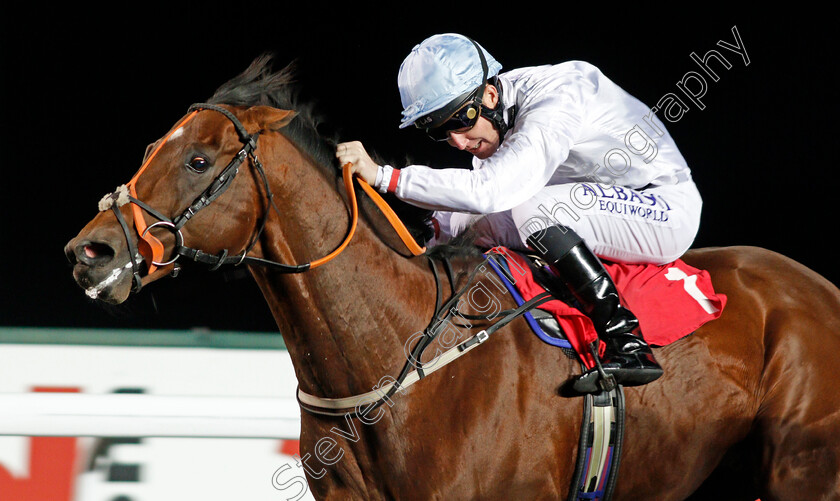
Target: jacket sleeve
column 521, row 167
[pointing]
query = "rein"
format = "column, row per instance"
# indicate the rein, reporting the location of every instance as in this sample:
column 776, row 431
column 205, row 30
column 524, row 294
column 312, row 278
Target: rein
column 602, row 429
column 151, row 249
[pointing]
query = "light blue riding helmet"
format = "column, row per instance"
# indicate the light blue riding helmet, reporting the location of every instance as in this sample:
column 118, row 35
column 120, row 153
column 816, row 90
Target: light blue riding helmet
column 441, row 72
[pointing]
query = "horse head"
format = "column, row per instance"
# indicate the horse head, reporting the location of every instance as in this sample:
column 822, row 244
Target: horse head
column 148, row 223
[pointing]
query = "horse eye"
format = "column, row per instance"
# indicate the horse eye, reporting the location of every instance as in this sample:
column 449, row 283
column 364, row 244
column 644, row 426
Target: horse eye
column 198, row 164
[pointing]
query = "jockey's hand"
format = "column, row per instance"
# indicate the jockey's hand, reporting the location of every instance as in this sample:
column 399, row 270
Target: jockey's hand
column 354, row 153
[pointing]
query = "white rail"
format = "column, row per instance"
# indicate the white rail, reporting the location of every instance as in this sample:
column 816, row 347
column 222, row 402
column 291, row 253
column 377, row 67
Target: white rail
column 141, row 415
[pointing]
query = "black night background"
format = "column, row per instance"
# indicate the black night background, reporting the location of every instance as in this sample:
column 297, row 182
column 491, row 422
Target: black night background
column 84, row 92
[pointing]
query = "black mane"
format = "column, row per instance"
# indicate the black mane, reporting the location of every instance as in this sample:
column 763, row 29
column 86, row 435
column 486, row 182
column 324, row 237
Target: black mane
column 259, row 85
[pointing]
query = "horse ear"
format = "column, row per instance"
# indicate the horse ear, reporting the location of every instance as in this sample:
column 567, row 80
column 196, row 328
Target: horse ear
column 270, row 118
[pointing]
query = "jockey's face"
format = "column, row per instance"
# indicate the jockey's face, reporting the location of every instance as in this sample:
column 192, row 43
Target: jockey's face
column 483, row 139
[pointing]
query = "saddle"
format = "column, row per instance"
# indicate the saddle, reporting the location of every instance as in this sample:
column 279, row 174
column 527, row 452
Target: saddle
column 671, row 301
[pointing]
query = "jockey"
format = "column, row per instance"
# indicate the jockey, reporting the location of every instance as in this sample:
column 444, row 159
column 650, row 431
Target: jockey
column 565, row 164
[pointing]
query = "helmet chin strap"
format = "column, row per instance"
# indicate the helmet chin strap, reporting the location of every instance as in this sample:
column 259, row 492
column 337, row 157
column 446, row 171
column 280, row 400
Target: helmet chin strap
column 501, row 119
column 497, row 114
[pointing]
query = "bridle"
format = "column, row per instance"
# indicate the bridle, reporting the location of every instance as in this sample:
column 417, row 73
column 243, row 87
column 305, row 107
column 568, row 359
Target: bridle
column 412, row 371
column 151, row 249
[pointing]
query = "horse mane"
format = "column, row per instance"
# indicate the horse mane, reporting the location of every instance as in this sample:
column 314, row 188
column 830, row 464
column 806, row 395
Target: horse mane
column 259, row 85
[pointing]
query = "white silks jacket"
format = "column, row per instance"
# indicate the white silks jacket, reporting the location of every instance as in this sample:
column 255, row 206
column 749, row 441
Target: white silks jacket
column 572, row 125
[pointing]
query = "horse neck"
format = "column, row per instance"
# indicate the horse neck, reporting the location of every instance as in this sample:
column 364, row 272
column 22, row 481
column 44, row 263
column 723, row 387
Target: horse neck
column 345, row 322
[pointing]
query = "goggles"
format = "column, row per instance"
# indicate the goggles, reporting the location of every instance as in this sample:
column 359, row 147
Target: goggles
column 462, row 120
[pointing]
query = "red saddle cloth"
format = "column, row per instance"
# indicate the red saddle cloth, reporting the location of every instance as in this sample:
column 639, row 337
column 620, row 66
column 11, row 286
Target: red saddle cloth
column 671, row 301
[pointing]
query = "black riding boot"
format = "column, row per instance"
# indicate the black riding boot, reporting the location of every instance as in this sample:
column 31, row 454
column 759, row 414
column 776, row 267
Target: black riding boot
column 627, row 356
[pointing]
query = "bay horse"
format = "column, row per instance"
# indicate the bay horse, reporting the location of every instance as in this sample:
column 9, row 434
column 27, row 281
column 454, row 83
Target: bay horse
column 750, row 395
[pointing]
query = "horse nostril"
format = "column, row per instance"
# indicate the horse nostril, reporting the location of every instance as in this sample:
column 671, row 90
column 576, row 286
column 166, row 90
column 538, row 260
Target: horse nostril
column 70, row 254
column 94, row 253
